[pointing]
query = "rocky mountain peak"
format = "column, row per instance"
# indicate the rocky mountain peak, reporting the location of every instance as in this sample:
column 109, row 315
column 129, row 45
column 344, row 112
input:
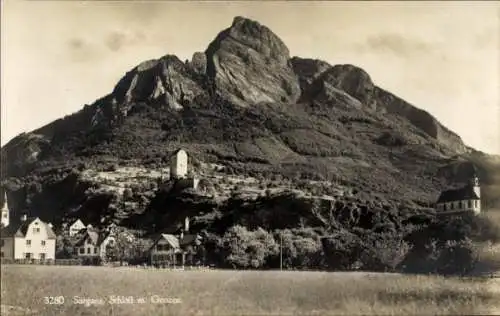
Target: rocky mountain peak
column 260, row 38
column 167, row 81
column 248, row 64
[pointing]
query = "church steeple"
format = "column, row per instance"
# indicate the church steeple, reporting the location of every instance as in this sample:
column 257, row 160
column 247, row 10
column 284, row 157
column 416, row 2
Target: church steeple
column 5, row 212
column 474, row 183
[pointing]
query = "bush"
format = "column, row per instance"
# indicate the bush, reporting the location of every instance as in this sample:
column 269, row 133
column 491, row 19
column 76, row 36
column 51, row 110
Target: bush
column 457, row 257
column 301, row 248
column 342, row 250
column 243, row 249
column 448, row 258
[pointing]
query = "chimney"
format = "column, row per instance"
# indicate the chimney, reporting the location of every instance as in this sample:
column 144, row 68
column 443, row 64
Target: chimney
column 186, row 224
column 24, row 217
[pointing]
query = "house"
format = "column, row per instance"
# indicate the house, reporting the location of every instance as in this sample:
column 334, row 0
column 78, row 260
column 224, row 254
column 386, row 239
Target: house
column 31, row 239
column 76, row 227
column 5, row 212
column 189, row 244
column 169, row 249
column 93, row 244
column 165, row 250
column 464, row 199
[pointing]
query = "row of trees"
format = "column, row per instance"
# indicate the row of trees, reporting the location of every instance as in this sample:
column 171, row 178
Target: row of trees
column 446, row 246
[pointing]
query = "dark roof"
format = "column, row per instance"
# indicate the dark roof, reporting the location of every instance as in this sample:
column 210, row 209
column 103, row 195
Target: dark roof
column 20, row 230
column 94, row 236
column 8, row 231
column 190, row 239
column 464, row 193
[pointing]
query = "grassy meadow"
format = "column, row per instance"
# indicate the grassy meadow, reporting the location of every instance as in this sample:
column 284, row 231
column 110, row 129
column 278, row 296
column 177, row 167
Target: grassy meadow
column 239, row 292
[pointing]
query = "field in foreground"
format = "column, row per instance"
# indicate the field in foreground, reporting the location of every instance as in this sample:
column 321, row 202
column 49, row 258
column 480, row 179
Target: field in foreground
column 238, row 292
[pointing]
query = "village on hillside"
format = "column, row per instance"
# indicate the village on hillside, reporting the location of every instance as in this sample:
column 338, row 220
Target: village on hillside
column 31, row 240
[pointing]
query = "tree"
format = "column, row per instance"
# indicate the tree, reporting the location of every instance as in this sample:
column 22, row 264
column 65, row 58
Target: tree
column 64, row 247
column 121, row 248
column 384, row 253
column 342, row 250
column 244, row 249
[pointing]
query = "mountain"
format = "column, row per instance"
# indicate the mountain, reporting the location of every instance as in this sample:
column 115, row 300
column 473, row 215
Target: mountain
column 251, row 118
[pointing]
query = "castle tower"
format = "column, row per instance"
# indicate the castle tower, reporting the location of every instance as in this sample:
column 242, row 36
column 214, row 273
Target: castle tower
column 178, row 164
column 5, row 212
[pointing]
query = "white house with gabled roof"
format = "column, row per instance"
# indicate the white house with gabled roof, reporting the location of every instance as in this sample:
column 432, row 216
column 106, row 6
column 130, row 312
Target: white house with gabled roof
column 93, row 244
column 76, row 227
column 31, row 239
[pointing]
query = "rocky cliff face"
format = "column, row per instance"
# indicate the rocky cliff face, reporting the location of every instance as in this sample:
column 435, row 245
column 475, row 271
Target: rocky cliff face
column 166, row 80
column 248, row 64
column 247, row 105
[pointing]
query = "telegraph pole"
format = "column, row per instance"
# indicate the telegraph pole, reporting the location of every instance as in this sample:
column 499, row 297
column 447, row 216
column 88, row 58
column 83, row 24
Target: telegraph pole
column 281, row 252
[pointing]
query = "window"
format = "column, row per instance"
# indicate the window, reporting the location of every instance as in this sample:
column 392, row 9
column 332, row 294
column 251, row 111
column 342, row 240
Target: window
column 4, row 215
column 444, row 206
column 36, row 230
column 2, row 242
column 28, row 255
column 42, row 256
column 475, row 203
column 451, row 206
column 43, row 242
column 28, row 242
column 95, row 249
column 82, row 250
column 1, row 254
column 470, row 204
column 88, row 250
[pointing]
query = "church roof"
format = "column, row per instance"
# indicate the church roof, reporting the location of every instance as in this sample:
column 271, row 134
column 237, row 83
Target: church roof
column 464, row 193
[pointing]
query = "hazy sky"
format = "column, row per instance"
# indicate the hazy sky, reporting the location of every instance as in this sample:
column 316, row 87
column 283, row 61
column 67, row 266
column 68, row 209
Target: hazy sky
column 442, row 57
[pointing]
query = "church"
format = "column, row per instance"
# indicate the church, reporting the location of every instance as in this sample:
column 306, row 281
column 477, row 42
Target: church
column 467, row 198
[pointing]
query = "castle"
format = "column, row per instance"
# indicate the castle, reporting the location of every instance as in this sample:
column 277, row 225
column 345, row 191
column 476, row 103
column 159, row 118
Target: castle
column 179, row 171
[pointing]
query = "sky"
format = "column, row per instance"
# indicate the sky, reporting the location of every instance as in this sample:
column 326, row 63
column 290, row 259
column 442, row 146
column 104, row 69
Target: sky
column 443, row 57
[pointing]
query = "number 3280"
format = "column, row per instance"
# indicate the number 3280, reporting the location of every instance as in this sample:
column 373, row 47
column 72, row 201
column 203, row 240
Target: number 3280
column 53, row 300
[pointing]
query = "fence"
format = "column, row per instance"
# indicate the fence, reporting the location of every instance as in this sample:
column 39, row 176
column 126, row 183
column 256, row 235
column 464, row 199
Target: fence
column 60, row 262
column 80, row 262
